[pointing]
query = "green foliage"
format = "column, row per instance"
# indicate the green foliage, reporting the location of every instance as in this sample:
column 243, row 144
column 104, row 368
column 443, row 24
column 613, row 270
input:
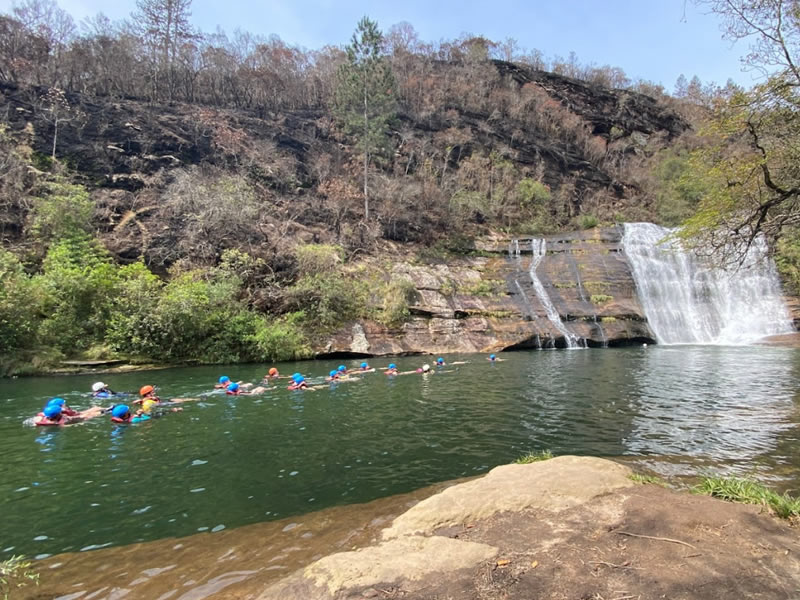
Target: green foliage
column 532, row 457
column 596, row 287
column 647, row 479
column 281, row 339
column 600, row 298
column 484, row 287
column 587, row 221
column 318, row 259
column 787, row 260
column 398, row 294
column 64, row 210
column 531, row 192
column 746, row 491
column 19, row 303
column 365, row 101
column 327, row 299
column 679, row 188
column 16, row 572
column 77, row 284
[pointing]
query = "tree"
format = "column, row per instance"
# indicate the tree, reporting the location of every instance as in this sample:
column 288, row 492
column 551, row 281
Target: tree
column 750, row 165
column 365, row 95
column 164, row 25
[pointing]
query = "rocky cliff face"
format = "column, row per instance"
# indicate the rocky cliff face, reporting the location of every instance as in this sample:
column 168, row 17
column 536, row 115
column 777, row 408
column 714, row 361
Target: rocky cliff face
column 489, row 303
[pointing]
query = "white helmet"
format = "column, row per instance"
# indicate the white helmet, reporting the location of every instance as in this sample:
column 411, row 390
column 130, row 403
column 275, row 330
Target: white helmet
column 426, row 368
column 96, row 387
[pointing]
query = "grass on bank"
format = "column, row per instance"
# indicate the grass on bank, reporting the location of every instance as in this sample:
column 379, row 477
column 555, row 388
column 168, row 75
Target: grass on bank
column 15, row 572
column 532, row 457
column 746, row 491
column 647, row 479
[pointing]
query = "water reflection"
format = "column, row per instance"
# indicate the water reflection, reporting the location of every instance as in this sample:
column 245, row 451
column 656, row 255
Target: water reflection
column 235, row 461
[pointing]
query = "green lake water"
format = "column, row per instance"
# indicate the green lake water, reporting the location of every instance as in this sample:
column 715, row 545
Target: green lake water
column 229, row 461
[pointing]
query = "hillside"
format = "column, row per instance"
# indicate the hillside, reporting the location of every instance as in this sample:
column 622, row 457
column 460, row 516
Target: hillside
column 454, row 169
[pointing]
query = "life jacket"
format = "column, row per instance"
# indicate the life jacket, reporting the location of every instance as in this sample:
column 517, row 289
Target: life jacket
column 140, row 418
column 45, row 422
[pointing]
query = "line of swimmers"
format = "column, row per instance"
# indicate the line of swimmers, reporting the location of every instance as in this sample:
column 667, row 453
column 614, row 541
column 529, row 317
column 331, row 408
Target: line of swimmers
column 57, row 413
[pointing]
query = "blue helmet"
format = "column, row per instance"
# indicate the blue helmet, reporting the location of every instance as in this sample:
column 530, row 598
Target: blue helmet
column 333, row 373
column 492, row 356
column 57, row 402
column 224, row 379
column 232, row 387
column 52, row 411
column 119, row 411
column 440, row 360
column 364, row 365
column 297, row 377
column 342, row 368
column 392, row 366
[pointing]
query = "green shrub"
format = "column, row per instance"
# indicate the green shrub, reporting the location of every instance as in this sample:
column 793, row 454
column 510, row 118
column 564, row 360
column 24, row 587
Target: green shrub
column 532, row 457
column 746, row 491
column 587, row 221
column 327, row 300
column 77, row 283
column 281, row 339
column 318, row 259
column 63, row 211
column 19, row 306
column 398, row 295
column 531, row 192
column 647, row 479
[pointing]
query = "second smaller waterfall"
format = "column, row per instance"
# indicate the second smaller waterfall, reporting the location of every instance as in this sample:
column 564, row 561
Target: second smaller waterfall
column 538, row 250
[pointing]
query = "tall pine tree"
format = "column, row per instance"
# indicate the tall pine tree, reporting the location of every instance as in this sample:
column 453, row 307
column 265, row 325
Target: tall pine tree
column 365, row 102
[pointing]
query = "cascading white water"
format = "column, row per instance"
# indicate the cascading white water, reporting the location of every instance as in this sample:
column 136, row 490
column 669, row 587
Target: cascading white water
column 687, row 302
column 538, row 249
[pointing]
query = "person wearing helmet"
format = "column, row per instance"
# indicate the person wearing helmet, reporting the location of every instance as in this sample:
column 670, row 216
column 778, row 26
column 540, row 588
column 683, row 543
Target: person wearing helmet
column 147, row 392
column 62, row 404
column 101, row 390
column 365, row 368
column 333, row 376
column 272, row 374
column 298, row 382
column 493, row 358
column 222, row 383
column 391, row 369
column 342, row 370
column 121, row 413
column 440, row 362
column 426, row 368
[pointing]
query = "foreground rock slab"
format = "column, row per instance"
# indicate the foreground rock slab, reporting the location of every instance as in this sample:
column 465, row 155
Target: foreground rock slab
column 564, row 528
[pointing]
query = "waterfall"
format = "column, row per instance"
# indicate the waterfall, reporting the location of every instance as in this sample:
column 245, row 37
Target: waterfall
column 688, row 302
column 539, row 248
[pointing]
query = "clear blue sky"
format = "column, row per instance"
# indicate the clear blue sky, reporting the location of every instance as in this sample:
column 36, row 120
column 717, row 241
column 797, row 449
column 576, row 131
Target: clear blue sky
column 649, row 39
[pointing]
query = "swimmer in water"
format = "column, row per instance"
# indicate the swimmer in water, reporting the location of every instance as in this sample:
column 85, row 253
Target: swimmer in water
column 271, row 375
column 101, row 390
column 365, row 368
column 493, row 358
column 332, row 376
column 391, row 369
column 147, row 392
column 298, row 382
column 234, row 389
column 53, row 416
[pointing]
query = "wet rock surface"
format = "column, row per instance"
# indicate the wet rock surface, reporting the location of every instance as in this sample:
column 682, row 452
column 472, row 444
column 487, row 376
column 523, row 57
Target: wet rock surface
column 609, row 539
column 488, row 303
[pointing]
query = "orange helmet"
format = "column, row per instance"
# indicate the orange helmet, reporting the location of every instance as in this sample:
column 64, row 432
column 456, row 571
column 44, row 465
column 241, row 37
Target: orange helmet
column 273, row 371
column 148, row 389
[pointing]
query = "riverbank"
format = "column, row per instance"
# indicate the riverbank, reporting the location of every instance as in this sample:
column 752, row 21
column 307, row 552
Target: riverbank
column 568, row 527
